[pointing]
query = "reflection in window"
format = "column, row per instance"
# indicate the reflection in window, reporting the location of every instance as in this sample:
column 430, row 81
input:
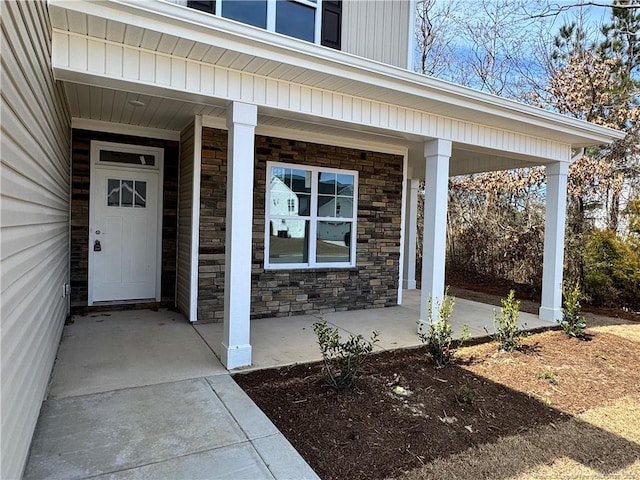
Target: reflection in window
column 290, row 192
column 289, row 241
column 334, row 240
column 127, row 158
column 336, row 195
column 141, row 194
column 296, row 20
column 299, row 236
column 253, row 12
column 126, row 193
column 113, row 193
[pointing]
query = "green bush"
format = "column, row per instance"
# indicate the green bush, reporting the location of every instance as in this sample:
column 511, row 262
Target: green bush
column 612, row 270
column 342, row 360
column 572, row 321
column 439, row 336
column 507, row 333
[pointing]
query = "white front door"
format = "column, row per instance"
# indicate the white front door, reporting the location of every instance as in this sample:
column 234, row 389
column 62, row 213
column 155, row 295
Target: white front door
column 124, row 236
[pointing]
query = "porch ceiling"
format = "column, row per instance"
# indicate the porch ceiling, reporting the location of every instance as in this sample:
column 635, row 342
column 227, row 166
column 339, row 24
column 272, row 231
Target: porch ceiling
column 114, row 106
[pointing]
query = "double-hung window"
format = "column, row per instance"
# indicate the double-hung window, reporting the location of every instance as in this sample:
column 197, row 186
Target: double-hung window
column 311, row 215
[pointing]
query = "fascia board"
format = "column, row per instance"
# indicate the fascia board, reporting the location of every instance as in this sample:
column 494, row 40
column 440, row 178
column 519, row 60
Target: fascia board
column 223, row 33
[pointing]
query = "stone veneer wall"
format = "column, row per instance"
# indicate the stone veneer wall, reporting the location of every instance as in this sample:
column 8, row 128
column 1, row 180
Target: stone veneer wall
column 80, row 161
column 213, row 212
column 372, row 283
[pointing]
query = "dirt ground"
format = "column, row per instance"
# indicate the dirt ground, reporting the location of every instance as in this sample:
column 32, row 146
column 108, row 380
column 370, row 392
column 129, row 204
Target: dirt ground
column 490, row 292
column 560, row 408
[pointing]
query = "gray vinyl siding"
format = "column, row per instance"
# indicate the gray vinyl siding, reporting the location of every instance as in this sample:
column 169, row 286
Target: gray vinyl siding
column 185, row 211
column 378, row 30
column 34, row 225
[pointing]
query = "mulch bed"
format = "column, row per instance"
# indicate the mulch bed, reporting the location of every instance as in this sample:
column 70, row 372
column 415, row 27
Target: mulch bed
column 370, row 431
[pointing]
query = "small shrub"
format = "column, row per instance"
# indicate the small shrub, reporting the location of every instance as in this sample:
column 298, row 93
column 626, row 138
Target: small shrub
column 507, row 333
column 572, row 321
column 439, row 336
column 548, row 376
column 466, row 395
column 342, row 360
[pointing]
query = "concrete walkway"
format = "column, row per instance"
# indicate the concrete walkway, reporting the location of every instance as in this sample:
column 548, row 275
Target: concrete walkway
column 139, row 394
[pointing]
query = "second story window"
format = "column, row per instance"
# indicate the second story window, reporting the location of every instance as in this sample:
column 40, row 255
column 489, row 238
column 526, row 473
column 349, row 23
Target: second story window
column 252, row 12
column 316, row 21
column 297, row 19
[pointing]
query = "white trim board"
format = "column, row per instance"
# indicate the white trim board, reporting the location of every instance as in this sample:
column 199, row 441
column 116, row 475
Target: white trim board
column 403, row 232
column 312, row 137
column 124, row 129
column 195, row 217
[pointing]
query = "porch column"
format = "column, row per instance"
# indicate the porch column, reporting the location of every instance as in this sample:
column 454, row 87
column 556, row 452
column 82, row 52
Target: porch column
column 241, row 122
column 437, row 154
column 555, row 209
column 411, row 235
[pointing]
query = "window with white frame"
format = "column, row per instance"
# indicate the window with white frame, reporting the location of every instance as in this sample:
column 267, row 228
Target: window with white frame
column 311, row 215
column 311, row 20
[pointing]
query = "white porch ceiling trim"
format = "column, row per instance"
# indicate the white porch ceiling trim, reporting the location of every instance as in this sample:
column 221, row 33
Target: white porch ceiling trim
column 308, row 135
column 124, row 129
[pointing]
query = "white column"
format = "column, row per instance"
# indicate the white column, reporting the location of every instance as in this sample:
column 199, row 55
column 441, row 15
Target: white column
column 555, row 209
column 241, row 122
column 411, row 235
column 437, row 154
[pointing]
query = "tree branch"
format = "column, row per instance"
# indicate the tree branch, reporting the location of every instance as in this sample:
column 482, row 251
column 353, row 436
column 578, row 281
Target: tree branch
column 554, row 10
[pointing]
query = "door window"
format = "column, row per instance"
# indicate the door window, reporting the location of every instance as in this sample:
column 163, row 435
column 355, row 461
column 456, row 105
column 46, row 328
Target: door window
column 126, row 193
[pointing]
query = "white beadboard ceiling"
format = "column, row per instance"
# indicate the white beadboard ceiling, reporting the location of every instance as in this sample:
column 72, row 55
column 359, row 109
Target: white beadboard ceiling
column 103, row 104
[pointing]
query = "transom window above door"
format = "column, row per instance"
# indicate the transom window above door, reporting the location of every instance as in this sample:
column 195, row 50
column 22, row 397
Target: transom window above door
column 311, row 217
column 127, row 158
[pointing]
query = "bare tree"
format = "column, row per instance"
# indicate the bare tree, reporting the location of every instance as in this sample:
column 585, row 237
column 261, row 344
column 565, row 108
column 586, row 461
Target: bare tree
column 436, row 32
column 487, row 44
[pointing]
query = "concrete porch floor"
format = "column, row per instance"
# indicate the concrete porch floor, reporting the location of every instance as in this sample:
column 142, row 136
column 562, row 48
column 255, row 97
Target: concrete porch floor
column 140, row 394
column 288, row 340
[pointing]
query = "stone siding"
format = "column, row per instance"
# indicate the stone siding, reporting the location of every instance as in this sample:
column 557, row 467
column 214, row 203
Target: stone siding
column 372, row 283
column 213, row 212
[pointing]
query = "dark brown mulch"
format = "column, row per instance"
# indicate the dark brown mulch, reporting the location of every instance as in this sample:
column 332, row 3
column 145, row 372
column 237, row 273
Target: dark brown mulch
column 370, row 431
